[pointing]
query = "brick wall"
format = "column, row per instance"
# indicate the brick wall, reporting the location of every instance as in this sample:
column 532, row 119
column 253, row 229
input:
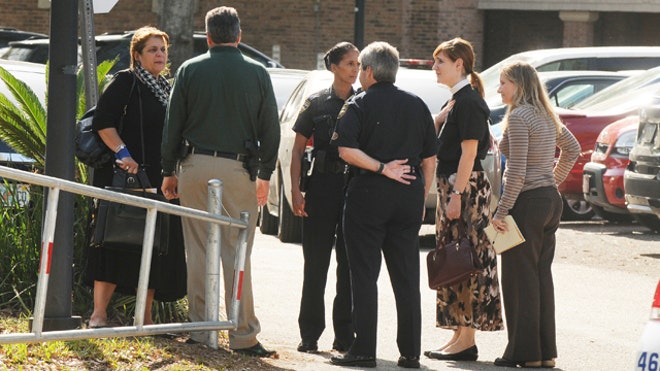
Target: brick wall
column 304, row 28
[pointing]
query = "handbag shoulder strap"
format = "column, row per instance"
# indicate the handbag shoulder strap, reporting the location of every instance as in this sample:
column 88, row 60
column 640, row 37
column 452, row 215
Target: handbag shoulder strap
column 130, row 94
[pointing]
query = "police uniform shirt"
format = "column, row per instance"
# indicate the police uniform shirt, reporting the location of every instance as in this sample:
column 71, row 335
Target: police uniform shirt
column 317, row 117
column 468, row 119
column 387, row 123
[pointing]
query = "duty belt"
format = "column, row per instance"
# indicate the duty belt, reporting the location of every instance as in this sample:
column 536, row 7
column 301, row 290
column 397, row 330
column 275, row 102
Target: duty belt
column 207, row 152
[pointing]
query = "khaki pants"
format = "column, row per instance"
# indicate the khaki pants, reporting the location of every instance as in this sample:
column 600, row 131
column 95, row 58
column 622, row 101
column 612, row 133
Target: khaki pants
column 238, row 194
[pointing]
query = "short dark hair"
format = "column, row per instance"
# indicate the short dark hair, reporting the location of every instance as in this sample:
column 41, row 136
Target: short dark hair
column 223, row 25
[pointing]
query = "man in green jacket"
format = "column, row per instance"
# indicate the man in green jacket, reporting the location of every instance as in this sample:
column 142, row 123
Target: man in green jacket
column 223, row 105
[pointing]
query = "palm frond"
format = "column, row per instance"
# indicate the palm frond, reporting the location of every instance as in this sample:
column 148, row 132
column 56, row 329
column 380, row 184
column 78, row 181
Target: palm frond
column 28, row 101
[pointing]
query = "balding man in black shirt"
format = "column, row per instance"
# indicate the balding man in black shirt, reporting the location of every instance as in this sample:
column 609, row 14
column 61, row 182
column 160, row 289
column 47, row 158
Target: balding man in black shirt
column 387, row 134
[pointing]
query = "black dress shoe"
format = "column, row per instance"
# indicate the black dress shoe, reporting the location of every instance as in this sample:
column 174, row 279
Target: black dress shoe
column 469, row 354
column 257, row 350
column 308, row 346
column 341, row 346
column 503, row 362
column 354, row 360
column 408, row 362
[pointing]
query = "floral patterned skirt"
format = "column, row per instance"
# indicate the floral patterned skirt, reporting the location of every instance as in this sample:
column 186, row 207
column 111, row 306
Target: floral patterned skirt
column 475, row 302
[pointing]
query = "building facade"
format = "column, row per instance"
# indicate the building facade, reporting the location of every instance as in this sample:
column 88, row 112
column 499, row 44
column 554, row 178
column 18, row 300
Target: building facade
column 298, row 31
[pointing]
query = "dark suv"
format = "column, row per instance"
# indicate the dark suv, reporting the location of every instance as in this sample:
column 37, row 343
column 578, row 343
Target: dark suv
column 642, row 177
column 11, row 34
column 111, row 45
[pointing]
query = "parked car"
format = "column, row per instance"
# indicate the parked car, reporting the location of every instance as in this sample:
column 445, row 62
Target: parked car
column 277, row 216
column 587, row 119
column 602, row 181
column 641, row 179
column 648, row 354
column 112, row 45
column 8, row 34
column 595, row 58
column 284, row 80
column 565, row 88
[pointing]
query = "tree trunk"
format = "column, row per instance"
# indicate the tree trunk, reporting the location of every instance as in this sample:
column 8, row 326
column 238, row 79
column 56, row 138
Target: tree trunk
column 176, row 18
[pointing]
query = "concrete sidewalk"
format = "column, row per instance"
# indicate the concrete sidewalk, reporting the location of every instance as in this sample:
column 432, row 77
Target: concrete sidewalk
column 596, row 329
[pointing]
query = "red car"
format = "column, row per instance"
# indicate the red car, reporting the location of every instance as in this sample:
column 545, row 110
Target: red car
column 587, row 119
column 603, row 176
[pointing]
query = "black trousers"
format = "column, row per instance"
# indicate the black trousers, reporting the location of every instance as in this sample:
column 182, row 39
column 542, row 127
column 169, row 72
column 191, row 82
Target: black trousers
column 324, row 203
column 383, row 215
column 527, row 285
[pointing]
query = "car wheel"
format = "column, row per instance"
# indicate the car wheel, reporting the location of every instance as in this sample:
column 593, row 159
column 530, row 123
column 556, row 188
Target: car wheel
column 289, row 227
column 267, row 222
column 610, row 216
column 649, row 221
column 577, row 210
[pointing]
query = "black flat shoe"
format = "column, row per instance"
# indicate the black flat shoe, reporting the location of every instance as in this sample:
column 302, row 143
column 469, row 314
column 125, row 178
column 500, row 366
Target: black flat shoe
column 469, row 354
column 308, row 346
column 340, row 346
column 408, row 362
column 503, row 362
column 257, row 350
column 351, row 360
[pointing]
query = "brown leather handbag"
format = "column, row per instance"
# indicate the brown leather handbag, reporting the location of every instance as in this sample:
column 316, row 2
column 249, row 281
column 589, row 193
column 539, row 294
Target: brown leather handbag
column 453, row 262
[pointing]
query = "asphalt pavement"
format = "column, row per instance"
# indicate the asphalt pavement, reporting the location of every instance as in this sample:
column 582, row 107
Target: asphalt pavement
column 600, row 313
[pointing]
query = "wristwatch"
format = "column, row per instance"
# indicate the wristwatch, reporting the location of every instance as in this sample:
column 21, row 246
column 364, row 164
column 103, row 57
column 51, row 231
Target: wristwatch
column 456, row 192
column 166, row 173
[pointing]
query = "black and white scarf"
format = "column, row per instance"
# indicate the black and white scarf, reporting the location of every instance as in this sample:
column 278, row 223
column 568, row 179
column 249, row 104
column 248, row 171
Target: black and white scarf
column 159, row 87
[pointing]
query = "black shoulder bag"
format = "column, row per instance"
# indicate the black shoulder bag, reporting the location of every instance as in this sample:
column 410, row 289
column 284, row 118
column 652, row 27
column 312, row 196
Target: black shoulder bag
column 90, row 148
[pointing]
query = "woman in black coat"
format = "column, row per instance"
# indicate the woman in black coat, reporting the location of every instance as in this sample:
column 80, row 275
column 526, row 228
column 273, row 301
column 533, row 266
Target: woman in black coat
column 133, row 103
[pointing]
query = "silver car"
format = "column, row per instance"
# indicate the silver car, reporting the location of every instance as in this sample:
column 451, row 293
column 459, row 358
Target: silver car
column 277, row 216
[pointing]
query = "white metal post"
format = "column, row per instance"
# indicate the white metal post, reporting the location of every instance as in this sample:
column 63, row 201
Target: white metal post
column 214, row 202
column 46, row 256
column 145, row 267
column 239, row 269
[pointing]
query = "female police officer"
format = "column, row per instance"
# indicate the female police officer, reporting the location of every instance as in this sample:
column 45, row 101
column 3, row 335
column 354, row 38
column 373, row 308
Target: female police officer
column 322, row 204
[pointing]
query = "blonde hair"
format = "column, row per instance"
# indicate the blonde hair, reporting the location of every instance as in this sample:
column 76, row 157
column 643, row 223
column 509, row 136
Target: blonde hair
column 458, row 48
column 529, row 91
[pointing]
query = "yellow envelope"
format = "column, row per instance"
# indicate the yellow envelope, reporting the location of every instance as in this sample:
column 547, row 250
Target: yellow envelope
column 504, row 241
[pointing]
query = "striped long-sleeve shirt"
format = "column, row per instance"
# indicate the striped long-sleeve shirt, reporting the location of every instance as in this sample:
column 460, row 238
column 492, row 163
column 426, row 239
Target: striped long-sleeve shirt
column 529, row 144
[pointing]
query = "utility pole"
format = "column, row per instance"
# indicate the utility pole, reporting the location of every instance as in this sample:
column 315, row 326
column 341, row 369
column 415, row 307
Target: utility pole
column 359, row 24
column 63, row 57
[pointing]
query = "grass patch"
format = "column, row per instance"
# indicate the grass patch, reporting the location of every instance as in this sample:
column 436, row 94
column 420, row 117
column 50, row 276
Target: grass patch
column 131, row 353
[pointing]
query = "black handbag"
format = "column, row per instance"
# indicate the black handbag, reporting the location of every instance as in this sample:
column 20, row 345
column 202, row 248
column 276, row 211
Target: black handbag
column 90, row 148
column 453, row 262
column 120, row 227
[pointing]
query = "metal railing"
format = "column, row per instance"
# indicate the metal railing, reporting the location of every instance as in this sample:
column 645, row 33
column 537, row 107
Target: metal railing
column 214, row 219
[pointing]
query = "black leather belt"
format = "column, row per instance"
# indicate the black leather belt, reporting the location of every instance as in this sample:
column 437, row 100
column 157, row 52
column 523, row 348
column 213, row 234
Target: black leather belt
column 207, row 152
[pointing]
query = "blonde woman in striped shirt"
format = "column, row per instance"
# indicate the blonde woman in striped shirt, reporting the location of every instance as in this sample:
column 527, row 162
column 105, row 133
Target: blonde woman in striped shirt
column 532, row 131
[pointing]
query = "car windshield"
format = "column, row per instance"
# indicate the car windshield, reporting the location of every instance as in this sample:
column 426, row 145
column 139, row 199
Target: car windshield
column 618, row 91
column 627, row 100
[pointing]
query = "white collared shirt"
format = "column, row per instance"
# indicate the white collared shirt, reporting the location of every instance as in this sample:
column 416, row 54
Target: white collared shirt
column 460, row 85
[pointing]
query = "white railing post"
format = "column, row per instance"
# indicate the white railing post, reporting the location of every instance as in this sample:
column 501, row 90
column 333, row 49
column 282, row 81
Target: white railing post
column 46, row 256
column 239, row 269
column 145, row 267
column 214, row 202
